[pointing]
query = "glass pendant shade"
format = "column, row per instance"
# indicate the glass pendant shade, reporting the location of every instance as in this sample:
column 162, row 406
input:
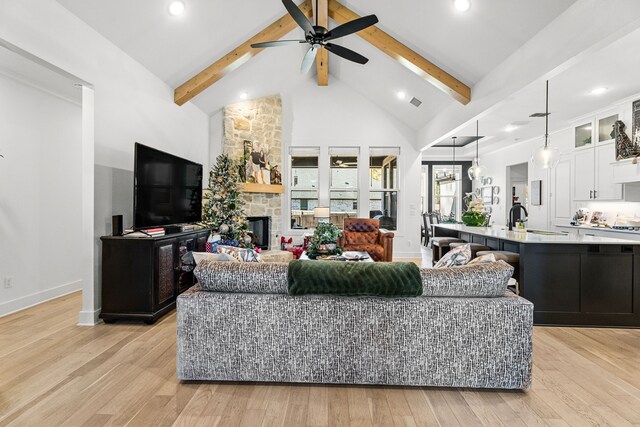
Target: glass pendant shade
column 475, row 171
column 546, row 157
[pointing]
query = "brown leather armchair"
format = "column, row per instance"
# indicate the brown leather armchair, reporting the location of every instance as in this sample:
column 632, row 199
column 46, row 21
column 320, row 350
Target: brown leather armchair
column 364, row 234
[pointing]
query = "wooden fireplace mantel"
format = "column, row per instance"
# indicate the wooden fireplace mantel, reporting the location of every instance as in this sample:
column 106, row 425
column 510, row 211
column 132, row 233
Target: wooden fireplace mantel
column 262, row 188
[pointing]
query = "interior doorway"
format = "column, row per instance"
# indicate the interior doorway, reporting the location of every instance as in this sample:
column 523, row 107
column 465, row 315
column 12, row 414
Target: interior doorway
column 518, row 187
column 47, row 182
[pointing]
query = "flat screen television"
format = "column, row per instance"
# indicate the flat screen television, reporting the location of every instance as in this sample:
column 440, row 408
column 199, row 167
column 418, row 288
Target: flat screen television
column 167, row 189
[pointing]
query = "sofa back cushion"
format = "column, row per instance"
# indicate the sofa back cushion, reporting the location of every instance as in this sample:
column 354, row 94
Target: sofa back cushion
column 476, row 281
column 243, row 277
column 473, row 281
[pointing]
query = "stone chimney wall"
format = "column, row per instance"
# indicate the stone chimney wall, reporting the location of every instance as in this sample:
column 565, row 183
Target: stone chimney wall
column 257, row 120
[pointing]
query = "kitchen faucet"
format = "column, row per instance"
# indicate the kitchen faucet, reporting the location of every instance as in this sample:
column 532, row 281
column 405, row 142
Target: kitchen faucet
column 511, row 215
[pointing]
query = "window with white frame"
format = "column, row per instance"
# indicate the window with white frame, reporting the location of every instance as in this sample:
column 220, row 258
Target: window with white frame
column 343, row 186
column 383, row 186
column 304, row 185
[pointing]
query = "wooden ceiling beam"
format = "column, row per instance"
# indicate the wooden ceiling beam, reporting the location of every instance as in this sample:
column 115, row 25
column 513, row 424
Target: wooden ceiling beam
column 405, row 56
column 322, row 59
column 237, row 57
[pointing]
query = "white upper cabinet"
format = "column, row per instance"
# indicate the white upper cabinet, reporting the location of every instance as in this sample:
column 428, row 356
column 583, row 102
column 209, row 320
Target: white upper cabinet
column 606, row 188
column 584, row 174
column 593, row 175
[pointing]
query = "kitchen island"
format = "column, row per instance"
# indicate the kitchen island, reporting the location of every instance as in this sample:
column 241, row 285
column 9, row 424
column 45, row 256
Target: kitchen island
column 572, row 279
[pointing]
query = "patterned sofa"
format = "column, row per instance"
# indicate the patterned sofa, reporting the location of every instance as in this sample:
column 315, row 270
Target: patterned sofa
column 466, row 330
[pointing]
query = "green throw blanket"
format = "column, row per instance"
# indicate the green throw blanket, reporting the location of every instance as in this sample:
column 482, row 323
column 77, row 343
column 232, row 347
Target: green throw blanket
column 393, row 279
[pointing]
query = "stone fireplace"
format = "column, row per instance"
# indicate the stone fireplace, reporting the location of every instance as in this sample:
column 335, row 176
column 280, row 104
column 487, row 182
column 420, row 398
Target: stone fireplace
column 259, row 121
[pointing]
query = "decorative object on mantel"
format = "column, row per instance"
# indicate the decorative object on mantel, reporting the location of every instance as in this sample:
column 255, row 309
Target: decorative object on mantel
column 546, row 157
column 324, row 241
column 223, row 207
column 475, row 215
column 260, row 176
column 625, row 149
column 475, row 171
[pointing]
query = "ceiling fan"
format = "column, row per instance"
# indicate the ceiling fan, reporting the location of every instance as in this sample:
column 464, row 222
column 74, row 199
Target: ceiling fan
column 342, row 164
column 318, row 36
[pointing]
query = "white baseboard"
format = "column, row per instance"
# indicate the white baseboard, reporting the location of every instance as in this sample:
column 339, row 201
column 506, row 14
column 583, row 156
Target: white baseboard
column 89, row 318
column 27, row 301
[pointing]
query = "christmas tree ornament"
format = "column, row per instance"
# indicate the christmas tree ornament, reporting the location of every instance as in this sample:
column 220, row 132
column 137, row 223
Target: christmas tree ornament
column 224, row 229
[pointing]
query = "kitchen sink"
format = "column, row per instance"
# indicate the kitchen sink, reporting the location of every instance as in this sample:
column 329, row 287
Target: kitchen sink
column 547, row 233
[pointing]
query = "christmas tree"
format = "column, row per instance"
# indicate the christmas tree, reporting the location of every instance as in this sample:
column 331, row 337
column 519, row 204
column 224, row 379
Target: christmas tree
column 223, row 206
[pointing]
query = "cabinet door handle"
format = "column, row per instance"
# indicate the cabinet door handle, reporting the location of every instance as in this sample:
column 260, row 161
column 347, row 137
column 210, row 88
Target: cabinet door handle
column 590, row 194
column 595, row 194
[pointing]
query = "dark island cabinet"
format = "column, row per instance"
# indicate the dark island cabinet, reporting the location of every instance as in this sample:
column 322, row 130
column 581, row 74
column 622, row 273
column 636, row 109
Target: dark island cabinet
column 141, row 277
column 588, row 285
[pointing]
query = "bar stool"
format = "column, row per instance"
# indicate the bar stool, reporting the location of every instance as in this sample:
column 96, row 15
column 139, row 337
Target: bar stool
column 441, row 245
column 475, row 248
column 511, row 258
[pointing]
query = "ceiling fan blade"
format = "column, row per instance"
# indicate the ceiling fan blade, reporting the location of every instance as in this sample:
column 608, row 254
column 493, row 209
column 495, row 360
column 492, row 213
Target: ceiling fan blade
column 352, row 27
column 277, row 43
column 298, row 16
column 346, row 53
column 308, row 60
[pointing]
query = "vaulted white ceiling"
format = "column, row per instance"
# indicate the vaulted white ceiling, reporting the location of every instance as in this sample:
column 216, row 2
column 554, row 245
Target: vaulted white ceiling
column 466, row 45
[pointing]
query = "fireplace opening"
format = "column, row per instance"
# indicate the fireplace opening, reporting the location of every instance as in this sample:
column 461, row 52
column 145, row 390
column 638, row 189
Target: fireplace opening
column 260, row 229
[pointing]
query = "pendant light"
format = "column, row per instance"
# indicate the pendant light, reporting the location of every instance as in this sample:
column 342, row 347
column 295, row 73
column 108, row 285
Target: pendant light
column 475, row 171
column 450, row 176
column 546, row 157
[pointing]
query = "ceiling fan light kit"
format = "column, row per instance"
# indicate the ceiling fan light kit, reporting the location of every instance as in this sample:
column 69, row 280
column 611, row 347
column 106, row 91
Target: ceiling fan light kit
column 318, row 37
column 546, row 157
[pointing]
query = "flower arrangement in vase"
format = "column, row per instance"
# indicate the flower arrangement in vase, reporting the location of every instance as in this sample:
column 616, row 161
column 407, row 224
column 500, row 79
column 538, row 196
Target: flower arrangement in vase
column 324, row 241
column 476, row 214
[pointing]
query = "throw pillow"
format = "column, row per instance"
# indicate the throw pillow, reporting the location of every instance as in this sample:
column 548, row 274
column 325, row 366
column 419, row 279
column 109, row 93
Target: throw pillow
column 241, row 254
column 201, row 256
column 483, row 259
column 455, row 257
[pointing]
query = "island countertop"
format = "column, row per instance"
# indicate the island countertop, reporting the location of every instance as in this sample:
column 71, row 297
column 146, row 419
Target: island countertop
column 501, row 232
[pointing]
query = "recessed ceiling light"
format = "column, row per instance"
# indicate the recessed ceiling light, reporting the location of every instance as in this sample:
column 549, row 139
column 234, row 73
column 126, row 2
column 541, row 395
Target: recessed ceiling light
column 598, row 91
column 176, row 8
column 401, row 95
column 511, row 128
column 462, row 5
column 244, row 95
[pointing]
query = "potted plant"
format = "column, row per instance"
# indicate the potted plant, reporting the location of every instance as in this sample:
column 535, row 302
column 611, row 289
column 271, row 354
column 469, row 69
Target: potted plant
column 324, row 241
column 475, row 215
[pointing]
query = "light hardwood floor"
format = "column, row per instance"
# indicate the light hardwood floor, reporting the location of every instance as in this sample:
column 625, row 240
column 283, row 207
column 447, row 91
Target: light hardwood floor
column 53, row 372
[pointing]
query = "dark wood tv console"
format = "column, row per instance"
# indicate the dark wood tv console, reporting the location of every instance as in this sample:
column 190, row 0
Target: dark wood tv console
column 142, row 276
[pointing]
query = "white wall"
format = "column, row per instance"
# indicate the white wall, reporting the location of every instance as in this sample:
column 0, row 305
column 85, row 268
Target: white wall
column 40, row 200
column 131, row 104
column 337, row 116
